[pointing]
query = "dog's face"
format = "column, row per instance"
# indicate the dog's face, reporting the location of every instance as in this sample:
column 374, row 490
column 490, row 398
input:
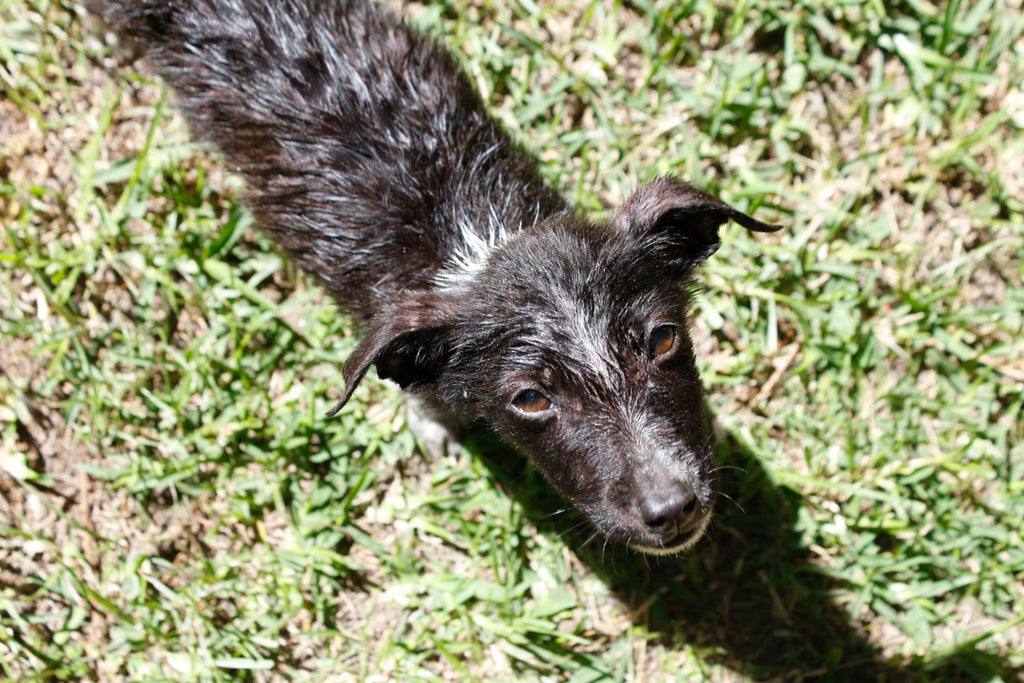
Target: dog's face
column 572, row 344
column 586, row 366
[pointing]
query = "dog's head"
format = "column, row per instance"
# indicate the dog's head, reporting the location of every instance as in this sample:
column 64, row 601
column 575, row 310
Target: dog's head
column 571, row 342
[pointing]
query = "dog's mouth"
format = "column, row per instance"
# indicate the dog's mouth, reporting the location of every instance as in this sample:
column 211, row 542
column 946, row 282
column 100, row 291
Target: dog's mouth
column 663, row 520
column 680, row 542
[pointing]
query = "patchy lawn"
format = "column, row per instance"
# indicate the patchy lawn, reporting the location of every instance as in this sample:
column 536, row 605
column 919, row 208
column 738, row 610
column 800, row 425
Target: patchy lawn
column 176, row 507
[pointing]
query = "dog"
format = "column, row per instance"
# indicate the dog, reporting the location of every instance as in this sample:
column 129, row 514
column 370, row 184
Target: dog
column 374, row 164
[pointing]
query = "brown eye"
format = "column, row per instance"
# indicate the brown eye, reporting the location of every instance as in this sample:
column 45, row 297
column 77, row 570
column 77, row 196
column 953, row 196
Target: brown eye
column 663, row 338
column 530, row 401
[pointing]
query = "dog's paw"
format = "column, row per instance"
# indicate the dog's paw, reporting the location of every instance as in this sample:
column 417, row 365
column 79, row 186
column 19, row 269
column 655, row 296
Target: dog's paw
column 437, row 435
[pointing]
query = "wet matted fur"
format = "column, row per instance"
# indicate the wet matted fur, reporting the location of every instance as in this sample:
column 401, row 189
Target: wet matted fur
column 371, row 160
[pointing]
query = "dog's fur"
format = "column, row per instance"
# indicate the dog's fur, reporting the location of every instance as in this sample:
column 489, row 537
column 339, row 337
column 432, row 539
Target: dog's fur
column 372, row 161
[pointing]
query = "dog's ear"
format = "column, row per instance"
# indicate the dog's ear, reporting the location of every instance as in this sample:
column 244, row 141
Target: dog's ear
column 677, row 223
column 408, row 342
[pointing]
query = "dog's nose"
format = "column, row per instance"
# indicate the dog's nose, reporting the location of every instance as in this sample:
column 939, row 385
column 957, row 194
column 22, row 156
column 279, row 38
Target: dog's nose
column 670, row 510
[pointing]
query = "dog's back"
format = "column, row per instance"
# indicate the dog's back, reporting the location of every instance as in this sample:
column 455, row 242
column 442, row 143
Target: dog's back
column 368, row 155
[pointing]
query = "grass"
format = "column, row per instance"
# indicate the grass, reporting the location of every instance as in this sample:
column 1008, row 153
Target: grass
column 176, row 507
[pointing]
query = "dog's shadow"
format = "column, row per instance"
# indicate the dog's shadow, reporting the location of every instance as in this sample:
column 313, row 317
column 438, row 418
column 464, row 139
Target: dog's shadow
column 751, row 596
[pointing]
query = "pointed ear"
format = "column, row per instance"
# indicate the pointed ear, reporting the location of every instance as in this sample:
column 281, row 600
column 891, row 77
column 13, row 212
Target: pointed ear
column 678, row 223
column 408, row 342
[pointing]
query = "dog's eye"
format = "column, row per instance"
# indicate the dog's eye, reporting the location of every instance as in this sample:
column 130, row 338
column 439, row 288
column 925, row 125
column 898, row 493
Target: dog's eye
column 531, row 401
column 663, row 338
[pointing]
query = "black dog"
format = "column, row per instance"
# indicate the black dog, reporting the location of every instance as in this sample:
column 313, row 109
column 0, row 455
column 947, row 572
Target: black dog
column 372, row 161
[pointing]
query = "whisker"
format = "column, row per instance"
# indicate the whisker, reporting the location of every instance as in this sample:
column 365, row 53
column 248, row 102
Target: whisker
column 733, row 501
column 589, row 540
column 552, row 515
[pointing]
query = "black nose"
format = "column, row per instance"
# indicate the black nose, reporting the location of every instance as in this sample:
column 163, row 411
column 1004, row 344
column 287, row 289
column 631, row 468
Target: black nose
column 669, row 510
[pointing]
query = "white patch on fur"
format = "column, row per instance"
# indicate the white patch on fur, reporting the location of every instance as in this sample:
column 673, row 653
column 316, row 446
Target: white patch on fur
column 477, row 242
column 591, row 334
column 470, row 257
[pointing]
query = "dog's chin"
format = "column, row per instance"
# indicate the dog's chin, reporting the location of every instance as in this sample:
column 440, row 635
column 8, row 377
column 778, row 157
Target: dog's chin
column 679, row 545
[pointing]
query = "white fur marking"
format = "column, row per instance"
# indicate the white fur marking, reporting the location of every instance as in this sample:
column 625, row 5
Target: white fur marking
column 470, row 257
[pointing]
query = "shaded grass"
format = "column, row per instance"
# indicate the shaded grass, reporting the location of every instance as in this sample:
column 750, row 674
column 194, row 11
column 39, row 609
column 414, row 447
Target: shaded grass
column 176, row 507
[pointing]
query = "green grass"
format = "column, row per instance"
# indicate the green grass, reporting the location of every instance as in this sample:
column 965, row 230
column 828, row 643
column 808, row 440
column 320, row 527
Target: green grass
column 176, row 507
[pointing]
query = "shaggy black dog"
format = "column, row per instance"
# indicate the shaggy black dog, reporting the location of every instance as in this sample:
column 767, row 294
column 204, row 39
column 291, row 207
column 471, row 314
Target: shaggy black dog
column 372, row 161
